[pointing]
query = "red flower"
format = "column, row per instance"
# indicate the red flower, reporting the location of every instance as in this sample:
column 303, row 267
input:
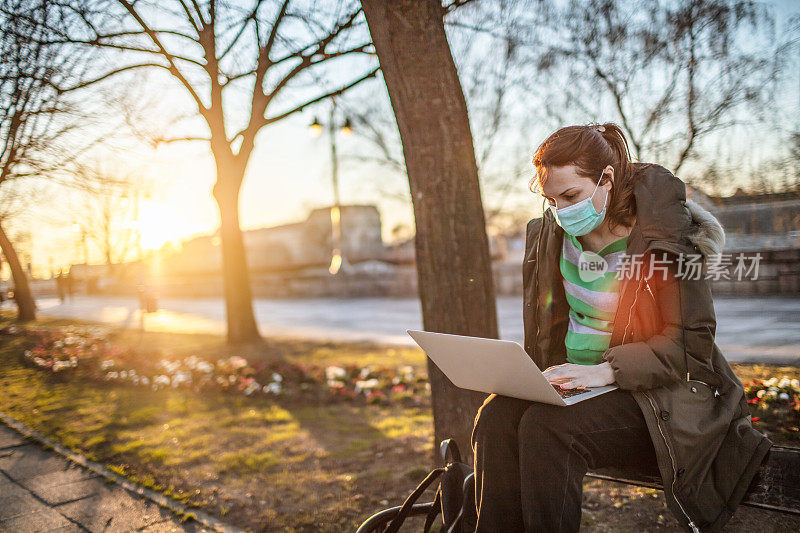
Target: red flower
column 754, row 418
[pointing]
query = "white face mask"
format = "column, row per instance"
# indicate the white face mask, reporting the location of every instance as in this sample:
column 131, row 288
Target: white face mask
column 581, row 217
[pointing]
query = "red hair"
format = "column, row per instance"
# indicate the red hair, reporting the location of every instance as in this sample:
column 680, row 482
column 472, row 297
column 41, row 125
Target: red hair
column 591, row 148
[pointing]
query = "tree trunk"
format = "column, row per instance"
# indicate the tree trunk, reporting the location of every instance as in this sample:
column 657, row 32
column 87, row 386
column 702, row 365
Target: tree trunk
column 26, row 306
column 452, row 249
column 241, row 321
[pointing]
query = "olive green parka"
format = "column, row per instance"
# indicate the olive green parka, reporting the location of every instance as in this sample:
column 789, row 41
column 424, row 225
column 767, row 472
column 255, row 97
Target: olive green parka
column 662, row 348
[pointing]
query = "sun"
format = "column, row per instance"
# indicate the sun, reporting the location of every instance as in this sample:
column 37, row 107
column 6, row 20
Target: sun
column 158, row 224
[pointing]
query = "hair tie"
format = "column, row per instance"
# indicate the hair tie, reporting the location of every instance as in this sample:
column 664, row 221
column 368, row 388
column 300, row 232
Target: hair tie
column 601, row 129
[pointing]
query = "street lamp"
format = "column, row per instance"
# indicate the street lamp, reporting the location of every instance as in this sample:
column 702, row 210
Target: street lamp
column 316, row 128
column 338, row 260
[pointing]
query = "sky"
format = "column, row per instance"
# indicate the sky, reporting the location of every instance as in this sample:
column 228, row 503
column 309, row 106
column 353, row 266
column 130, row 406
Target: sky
column 288, row 175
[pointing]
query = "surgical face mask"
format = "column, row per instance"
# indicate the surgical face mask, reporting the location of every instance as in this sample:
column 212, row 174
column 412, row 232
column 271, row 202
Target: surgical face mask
column 581, row 217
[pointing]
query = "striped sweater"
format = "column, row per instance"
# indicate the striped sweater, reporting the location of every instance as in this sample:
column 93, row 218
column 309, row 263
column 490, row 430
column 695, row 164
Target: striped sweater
column 592, row 300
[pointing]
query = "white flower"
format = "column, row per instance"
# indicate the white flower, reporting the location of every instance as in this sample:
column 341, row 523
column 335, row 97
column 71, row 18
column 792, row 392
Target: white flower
column 796, row 384
column 106, row 364
column 783, row 396
column 333, row 372
column 58, row 344
column 365, row 372
column 237, row 362
column 161, row 380
column 771, row 382
column 274, row 388
column 202, row 366
column 335, row 383
column 276, row 377
column 407, row 370
column 169, row 366
column 784, row 382
column 112, row 375
column 181, row 377
column 145, row 380
column 123, row 374
column 366, row 385
column 252, row 387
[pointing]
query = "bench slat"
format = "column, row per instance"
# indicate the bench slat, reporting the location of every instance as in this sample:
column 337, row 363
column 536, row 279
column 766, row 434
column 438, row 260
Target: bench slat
column 776, row 486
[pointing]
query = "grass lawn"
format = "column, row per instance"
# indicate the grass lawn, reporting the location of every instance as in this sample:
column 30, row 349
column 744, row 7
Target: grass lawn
column 276, row 464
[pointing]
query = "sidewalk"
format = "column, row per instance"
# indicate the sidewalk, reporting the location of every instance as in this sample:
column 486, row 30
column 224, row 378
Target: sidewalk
column 42, row 491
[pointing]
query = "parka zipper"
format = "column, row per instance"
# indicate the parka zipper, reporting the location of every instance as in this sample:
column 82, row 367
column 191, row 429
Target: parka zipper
column 674, row 465
column 536, row 285
column 692, row 525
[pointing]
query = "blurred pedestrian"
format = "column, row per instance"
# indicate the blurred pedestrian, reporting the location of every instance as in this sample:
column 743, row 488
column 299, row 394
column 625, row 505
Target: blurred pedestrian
column 70, row 284
column 60, row 282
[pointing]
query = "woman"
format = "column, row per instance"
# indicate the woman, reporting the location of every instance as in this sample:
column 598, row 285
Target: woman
column 680, row 413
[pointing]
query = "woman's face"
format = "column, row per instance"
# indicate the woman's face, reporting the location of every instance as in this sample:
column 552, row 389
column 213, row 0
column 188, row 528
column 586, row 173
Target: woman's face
column 564, row 187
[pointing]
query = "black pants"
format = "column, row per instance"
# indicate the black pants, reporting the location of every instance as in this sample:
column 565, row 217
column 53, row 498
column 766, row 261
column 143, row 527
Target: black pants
column 530, row 457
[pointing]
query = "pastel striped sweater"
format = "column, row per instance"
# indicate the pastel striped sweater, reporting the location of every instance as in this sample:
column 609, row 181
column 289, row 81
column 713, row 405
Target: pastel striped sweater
column 592, row 304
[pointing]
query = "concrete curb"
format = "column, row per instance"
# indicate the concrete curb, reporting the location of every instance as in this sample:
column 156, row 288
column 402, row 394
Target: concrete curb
column 156, row 497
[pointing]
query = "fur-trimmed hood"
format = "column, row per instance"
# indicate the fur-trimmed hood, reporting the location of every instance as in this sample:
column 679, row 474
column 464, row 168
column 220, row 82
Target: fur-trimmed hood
column 709, row 236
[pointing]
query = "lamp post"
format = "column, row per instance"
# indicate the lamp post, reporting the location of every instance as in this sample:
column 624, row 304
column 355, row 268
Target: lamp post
column 338, row 260
column 135, row 225
column 80, row 234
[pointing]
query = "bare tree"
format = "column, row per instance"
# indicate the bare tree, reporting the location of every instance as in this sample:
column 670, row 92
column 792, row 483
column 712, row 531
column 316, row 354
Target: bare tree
column 673, row 72
column 456, row 288
column 107, row 211
column 36, row 121
column 214, row 50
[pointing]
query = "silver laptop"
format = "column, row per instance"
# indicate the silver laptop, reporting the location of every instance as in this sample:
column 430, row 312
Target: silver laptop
column 499, row 366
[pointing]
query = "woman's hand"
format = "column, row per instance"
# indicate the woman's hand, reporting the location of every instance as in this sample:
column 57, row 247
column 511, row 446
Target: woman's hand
column 570, row 375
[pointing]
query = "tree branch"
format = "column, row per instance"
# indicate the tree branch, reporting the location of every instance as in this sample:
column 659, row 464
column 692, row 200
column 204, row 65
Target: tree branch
column 173, row 68
column 370, row 74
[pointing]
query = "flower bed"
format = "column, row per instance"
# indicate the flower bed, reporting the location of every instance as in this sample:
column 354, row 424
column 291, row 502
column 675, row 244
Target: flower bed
column 775, row 405
column 86, row 352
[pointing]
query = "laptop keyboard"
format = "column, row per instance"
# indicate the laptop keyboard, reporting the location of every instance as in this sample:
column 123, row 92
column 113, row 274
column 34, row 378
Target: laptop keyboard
column 566, row 393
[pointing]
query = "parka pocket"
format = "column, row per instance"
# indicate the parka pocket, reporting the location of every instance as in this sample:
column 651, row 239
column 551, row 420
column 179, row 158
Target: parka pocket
column 697, row 386
column 694, row 423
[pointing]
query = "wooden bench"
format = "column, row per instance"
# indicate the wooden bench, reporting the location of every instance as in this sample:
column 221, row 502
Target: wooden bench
column 776, row 487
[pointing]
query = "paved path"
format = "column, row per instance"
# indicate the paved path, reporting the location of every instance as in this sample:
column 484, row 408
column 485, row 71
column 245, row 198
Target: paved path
column 42, row 491
column 749, row 329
